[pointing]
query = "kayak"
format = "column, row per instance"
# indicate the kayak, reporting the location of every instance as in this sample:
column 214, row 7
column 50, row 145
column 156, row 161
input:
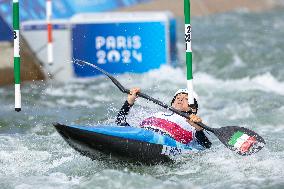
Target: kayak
column 124, row 142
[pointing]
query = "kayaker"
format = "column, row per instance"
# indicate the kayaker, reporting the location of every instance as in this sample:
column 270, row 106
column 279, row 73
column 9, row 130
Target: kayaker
column 181, row 129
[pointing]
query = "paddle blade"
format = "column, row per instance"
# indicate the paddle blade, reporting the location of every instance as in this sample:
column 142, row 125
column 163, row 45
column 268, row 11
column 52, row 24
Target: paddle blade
column 241, row 140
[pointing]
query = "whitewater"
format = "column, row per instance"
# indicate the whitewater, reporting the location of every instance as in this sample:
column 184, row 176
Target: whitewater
column 238, row 75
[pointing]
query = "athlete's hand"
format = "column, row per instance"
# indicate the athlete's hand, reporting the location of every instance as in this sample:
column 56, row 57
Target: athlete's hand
column 132, row 95
column 193, row 119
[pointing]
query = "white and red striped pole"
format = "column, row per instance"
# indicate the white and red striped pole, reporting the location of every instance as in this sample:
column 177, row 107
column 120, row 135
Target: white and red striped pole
column 49, row 32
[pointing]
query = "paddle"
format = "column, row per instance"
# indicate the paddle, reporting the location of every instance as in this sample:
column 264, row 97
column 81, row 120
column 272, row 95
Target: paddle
column 239, row 139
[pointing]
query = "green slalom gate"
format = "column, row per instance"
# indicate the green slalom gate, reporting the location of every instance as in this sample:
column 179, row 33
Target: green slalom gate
column 188, row 50
column 17, row 60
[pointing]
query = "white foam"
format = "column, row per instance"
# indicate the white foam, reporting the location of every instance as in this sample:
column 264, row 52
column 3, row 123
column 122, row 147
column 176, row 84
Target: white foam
column 54, row 180
column 232, row 111
column 265, row 82
column 76, row 103
column 157, row 77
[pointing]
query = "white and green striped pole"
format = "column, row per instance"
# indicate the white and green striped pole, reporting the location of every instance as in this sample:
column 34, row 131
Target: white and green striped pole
column 17, row 61
column 188, row 50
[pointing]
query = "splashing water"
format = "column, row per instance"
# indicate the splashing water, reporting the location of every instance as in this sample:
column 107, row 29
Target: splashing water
column 238, row 64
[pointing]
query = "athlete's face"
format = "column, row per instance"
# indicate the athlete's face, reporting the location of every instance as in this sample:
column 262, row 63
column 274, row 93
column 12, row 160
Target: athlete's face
column 181, row 102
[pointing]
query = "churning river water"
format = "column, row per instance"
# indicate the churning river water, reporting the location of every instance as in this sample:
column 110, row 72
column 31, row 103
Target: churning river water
column 238, row 74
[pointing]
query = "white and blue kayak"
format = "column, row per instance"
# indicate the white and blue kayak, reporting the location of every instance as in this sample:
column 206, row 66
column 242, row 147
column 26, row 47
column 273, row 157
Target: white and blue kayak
column 129, row 143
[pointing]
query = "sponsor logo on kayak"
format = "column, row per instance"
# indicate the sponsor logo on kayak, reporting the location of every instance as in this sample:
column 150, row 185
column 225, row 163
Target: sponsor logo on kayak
column 171, row 151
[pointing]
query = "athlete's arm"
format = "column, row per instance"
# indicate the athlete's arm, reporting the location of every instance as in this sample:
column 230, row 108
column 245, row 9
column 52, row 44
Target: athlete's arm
column 199, row 135
column 193, row 119
column 121, row 116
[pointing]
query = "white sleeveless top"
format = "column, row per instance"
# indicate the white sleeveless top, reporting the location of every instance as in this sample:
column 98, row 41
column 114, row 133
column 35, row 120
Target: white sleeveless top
column 171, row 124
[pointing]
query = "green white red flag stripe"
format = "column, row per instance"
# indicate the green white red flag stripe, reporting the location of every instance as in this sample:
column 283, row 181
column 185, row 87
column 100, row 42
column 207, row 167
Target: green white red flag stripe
column 241, row 141
column 17, row 61
column 49, row 32
column 188, row 50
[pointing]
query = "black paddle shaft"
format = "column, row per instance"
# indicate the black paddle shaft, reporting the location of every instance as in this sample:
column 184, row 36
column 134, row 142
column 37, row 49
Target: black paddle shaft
column 224, row 134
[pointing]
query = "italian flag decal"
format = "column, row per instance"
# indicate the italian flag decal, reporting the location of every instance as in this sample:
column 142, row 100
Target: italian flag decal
column 242, row 141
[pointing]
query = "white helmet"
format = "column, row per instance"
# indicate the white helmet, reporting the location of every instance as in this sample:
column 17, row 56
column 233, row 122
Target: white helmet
column 195, row 96
column 186, row 91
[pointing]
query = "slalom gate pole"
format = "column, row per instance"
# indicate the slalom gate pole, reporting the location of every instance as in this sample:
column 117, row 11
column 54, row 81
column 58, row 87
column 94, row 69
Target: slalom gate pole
column 17, row 60
column 49, row 32
column 188, row 50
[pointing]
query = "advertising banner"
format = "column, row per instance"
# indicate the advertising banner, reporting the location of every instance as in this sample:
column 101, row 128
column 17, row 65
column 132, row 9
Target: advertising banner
column 120, row 47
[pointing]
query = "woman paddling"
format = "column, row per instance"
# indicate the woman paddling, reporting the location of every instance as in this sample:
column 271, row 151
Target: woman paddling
column 182, row 130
